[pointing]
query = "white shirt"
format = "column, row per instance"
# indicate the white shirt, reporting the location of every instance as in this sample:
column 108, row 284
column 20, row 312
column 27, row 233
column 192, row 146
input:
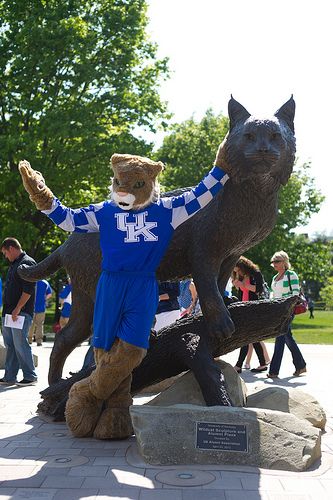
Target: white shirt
column 277, row 289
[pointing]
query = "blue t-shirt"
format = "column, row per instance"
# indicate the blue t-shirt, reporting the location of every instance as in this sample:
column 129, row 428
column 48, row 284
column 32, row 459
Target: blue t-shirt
column 172, row 289
column 43, row 288
column 136, row 240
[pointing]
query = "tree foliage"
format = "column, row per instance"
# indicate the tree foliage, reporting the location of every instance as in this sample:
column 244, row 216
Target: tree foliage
column 76, row 78
column 189, row 151
column 326, row 293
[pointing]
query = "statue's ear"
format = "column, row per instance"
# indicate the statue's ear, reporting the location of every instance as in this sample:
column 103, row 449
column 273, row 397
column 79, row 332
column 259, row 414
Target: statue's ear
column 237, row 113
column 287, row 113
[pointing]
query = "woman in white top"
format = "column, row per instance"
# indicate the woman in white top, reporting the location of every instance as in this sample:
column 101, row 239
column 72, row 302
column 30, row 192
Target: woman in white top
column 284, row 284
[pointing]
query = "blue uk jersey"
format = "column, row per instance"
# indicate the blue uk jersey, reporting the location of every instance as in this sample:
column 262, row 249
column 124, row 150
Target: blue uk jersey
column 132, row 244
column 137, row 240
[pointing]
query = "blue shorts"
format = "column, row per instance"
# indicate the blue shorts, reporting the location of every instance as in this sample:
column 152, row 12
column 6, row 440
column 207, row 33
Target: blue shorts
column 125, row 307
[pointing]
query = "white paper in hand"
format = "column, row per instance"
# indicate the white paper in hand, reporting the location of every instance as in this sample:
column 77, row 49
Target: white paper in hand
column 14, row 324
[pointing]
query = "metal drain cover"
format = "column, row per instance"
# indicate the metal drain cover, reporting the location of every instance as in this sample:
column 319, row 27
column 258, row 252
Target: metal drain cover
column 185, row 477
column 65, row 460
column 55, row 434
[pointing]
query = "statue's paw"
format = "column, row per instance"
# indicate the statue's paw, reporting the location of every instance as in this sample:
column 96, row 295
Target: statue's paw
column 224, row 327
column 114, row 423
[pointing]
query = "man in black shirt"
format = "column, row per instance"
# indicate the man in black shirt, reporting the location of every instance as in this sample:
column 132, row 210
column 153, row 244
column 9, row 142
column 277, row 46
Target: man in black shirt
column 18, row 302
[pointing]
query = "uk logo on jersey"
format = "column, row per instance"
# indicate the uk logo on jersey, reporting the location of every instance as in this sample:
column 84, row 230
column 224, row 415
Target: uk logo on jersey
column 140, row 227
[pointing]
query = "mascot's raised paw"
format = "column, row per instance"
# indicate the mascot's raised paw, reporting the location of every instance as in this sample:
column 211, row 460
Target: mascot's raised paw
column 34, row 184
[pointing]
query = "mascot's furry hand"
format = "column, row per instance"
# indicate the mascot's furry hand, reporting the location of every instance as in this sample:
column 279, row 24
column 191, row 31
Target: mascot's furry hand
column 220, row 159
column 34, row 184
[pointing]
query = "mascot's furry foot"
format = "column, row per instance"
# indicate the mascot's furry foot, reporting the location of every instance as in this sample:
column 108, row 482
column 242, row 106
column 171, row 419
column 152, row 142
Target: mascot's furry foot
column 114, row 423
column 98, row 405
column 83, row 410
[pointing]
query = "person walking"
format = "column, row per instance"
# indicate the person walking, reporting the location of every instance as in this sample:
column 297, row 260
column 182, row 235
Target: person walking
column 66, row 300
column 247, row 278
column 284, row 284
column 310, row 307
column 43, row 293
column 18, row 303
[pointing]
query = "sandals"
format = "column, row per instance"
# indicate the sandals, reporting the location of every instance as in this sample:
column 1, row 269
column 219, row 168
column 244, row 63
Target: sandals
column 259, row 369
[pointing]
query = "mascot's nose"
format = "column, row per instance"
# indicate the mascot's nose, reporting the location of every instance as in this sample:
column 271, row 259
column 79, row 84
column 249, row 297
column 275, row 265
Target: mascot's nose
column 121, row 193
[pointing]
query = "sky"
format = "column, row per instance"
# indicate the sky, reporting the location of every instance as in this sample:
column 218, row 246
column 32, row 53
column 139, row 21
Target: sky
column 261, row 52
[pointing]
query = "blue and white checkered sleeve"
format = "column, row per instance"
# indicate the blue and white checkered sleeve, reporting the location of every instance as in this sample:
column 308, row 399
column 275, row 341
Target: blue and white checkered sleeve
column 186, row 205
column 80, row 220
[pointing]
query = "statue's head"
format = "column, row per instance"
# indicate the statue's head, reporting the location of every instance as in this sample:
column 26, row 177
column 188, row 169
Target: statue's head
column 260, row 146
column 135, row 184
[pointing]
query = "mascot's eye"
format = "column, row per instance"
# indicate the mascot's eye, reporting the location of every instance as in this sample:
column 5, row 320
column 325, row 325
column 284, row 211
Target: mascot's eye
column 276, row 135
column 139, row 184
column 116, row 181
column 249, row 137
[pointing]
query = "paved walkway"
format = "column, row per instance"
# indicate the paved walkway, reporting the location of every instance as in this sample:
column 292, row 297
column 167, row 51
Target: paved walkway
column 40, row 459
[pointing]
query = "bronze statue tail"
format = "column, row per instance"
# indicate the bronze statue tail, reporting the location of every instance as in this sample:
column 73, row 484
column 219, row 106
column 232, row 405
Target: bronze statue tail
column 43, row 269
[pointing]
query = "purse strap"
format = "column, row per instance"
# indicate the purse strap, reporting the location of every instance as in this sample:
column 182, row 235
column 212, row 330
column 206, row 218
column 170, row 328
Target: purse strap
column 287, row 273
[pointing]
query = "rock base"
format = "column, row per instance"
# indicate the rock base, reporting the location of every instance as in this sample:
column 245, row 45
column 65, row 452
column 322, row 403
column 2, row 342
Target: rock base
column 186, row 434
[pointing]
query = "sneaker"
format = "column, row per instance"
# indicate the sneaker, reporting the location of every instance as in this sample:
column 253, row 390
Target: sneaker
column 272, row 375
column 299, row 372
column 39, row 344
column 7, row 382
column 26, row 382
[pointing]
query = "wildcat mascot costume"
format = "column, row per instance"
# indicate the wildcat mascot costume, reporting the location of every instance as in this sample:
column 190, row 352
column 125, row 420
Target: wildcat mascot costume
column 135, row 227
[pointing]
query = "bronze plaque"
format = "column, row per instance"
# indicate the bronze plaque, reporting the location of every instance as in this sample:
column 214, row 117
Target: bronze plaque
column 224, row 437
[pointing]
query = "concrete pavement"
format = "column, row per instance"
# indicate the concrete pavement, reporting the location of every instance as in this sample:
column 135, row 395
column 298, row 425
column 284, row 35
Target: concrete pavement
column 40, row 459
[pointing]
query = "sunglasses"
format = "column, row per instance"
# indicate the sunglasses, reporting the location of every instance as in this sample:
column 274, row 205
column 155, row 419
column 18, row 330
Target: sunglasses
column 275, row 261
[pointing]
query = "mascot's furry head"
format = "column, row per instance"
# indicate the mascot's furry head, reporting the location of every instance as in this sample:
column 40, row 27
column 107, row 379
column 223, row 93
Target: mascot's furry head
column 135, row 184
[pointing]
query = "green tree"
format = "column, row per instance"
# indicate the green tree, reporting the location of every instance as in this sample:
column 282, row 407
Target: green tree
column 326, row 293
column 76, row 79
column 190, row 149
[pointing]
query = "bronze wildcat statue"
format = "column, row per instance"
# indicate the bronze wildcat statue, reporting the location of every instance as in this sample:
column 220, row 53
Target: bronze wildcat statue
column 259, row 155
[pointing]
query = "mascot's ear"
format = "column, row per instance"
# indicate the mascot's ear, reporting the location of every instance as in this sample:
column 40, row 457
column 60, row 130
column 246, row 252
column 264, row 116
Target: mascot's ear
column 287, row 113
column 154, row 169
column 237, row 113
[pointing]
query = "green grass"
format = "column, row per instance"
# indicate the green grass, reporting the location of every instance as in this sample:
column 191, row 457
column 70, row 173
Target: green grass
column 306, row 331
column 313, row 331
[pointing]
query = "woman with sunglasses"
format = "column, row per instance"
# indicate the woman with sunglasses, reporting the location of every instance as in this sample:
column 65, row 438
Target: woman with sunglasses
column 284, row 284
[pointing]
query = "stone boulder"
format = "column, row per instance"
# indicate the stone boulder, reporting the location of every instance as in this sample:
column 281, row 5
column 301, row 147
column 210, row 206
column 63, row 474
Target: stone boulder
column 191, row 434
column 185, row 389
column 3, row 352
column 289, row 400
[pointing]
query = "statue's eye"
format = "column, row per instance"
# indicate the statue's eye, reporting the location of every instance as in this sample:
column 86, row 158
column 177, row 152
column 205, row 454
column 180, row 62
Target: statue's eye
column 116, row 181
column 275, row 136
column 139, row 184
column 249, row 137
